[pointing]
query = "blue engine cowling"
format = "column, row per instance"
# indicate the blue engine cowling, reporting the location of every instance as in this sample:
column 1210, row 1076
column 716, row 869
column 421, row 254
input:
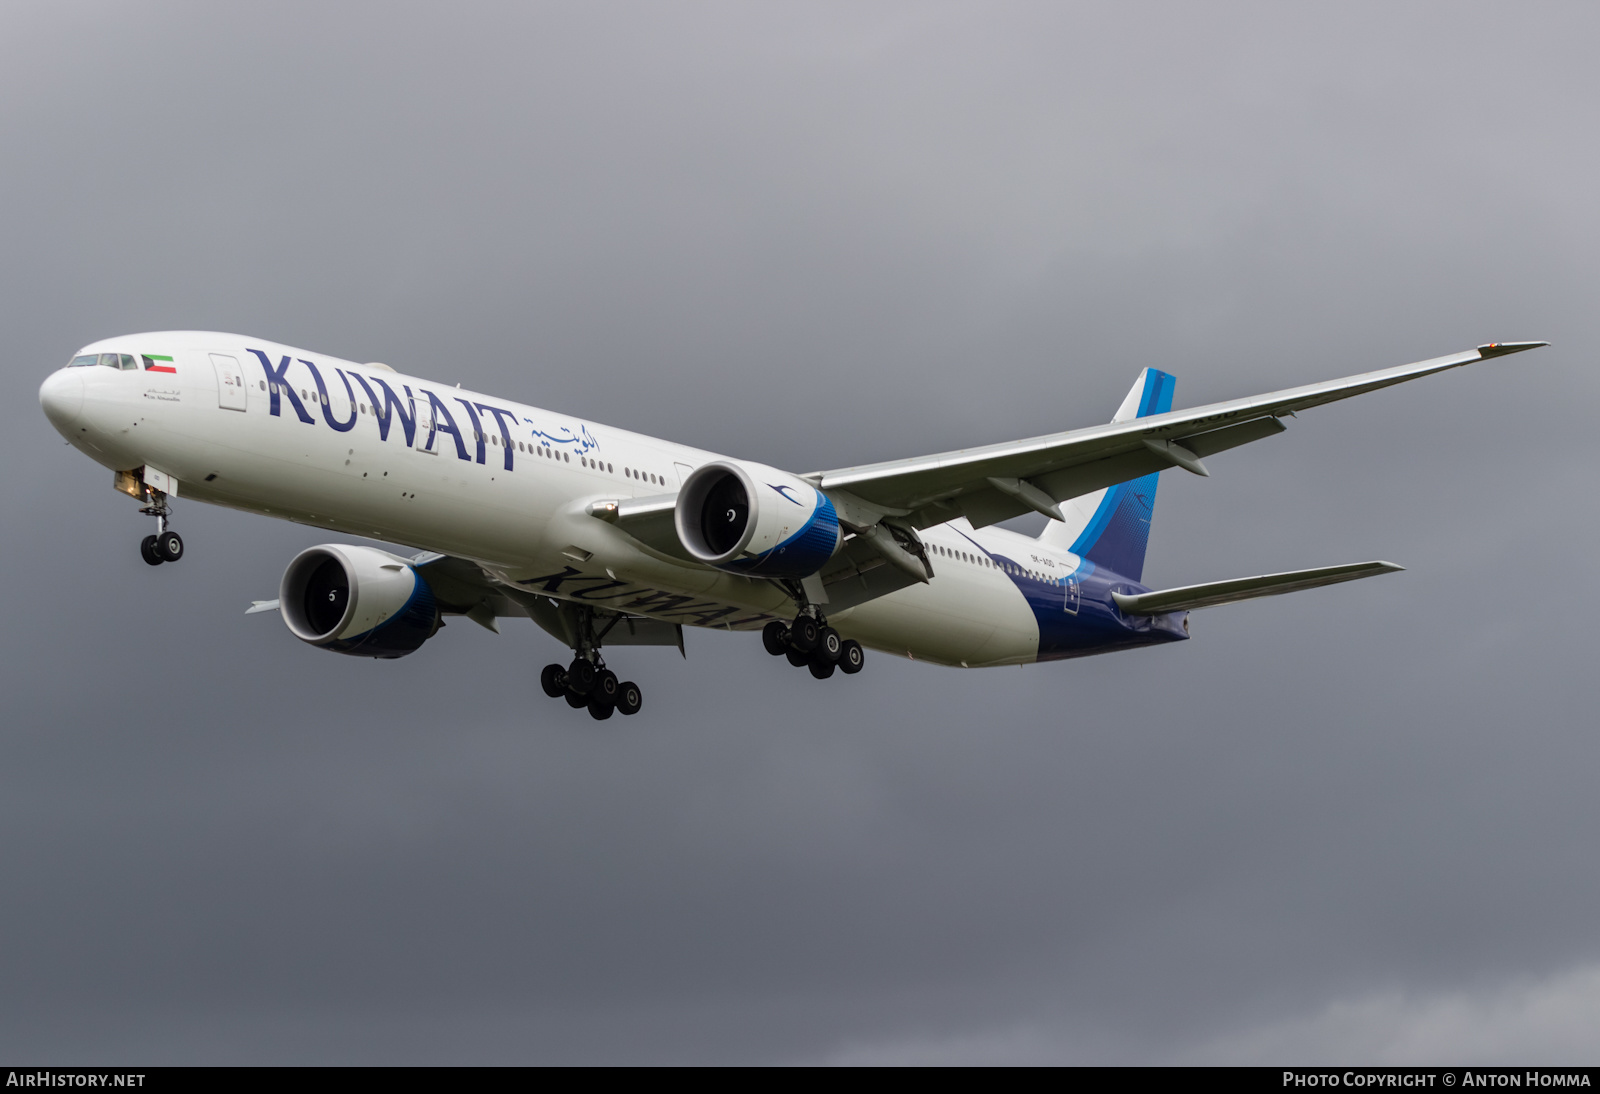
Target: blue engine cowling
column 357, row 600
column 750, row 519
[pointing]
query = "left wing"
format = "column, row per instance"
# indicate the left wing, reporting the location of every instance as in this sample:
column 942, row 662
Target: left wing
column 1000, row 481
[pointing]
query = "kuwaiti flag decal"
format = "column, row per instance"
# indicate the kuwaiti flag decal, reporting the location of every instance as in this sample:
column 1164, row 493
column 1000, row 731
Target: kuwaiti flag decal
column 154, row 363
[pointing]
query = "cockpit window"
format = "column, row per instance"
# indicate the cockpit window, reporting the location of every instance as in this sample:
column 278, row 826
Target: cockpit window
column 109, row 360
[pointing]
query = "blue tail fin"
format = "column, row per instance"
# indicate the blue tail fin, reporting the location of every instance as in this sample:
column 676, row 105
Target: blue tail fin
column 1112, row 526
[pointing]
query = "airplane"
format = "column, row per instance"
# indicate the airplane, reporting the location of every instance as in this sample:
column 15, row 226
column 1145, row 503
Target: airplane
column 607, row 538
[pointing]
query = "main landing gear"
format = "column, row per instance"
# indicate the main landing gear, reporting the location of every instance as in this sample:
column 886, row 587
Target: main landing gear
column 166, row 545
column 810, row 643
column 590, row 684
column 587, row 682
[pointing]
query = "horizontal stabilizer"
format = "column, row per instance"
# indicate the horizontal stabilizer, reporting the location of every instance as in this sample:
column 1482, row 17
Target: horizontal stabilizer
column 1213, row 593
column 261, row 606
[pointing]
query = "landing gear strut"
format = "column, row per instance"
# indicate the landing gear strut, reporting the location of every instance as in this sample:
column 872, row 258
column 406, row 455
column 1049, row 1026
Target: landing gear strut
column 166, row 545
column 587, row 682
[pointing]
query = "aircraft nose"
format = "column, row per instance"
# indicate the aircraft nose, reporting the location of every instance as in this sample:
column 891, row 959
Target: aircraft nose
column 61, row 396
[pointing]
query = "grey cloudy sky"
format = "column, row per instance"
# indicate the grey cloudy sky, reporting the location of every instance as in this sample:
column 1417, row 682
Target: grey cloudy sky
column 1356, row 824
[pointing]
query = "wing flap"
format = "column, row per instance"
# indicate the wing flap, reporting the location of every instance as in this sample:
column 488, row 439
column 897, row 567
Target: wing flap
column 1190, row 597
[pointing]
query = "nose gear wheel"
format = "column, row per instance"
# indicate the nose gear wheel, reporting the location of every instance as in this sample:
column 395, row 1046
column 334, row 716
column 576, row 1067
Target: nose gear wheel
column 166, row 545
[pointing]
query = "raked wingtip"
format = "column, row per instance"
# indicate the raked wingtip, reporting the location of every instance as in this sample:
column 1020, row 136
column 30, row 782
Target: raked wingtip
column 1500, row 349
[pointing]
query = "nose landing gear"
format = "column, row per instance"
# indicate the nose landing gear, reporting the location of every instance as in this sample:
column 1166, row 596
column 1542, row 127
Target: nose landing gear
column 166, row 545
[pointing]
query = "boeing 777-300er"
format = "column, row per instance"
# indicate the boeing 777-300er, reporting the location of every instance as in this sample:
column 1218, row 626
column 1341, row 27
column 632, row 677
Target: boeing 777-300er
column 609, row 538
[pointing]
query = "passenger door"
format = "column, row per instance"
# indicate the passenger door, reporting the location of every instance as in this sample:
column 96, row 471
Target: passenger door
column 230, row 382
column 427, row 439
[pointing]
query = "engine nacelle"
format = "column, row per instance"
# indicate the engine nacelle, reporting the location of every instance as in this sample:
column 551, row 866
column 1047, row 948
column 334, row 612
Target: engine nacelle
column 750, row 519
column 357, row 600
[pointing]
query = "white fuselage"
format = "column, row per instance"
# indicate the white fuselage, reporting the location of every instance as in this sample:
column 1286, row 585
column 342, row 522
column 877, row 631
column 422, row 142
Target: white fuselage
column 509, row 488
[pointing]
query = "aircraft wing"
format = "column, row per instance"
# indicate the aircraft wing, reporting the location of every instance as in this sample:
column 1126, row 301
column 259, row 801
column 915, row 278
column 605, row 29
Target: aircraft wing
column 462, row 588
column 999, row 481
column 1213, row 593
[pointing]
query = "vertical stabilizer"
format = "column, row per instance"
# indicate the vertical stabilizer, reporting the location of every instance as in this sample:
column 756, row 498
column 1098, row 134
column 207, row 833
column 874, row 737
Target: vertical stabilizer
column 1111, row 527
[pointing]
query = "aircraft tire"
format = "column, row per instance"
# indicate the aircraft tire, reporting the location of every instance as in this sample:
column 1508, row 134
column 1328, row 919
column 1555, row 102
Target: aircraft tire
column 775, row 637
column 575, row 701
column 629, row 698
column 804, row 634
column 581, row 676
column 829, row 645
column 148, row 552
column 169, row 545
column 821, row 669
column 605, row 687
column 554, row 681
column 797, row 659
column 851, row 656
column 600, row 710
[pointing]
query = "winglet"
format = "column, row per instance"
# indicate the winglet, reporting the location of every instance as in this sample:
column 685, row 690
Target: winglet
column 1500, row 349
column 261, row 606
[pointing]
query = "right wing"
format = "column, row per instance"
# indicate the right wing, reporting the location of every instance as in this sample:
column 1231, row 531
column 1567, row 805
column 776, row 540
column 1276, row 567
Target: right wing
column 1213, row 593
column 462, row 588
column 1000, row 481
